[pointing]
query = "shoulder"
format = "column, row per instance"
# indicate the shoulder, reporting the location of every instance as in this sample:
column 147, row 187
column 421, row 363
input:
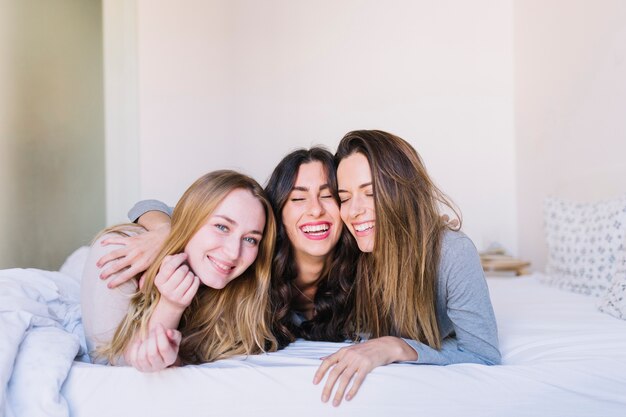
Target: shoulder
column 459, row 262
column 457, row 245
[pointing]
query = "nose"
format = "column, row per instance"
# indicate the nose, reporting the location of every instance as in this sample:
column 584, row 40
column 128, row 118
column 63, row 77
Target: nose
column 315, row 207
column 232, row 248
column 355, row 206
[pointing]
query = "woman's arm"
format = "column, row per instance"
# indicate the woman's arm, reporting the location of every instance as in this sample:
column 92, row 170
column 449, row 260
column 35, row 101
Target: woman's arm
column 177, row 286
column 102, row 308
column 134, row 254
column 471, row 334
column 469, row 318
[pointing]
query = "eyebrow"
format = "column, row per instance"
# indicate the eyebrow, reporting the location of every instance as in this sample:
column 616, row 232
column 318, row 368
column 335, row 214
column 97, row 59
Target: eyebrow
column 231, row 221
column 367, row 184
column 305, row 189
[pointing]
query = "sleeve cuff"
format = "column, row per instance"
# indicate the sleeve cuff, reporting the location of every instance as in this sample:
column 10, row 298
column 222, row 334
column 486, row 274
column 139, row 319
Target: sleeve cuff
column 145, row 206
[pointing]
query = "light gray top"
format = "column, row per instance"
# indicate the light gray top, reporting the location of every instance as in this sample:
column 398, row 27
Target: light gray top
column 465, row 316
column 145, row 206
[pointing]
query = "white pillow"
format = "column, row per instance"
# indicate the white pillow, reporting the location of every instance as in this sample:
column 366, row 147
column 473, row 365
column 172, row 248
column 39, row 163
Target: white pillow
column 585, row 241
column 614, row 302
column 75, row 263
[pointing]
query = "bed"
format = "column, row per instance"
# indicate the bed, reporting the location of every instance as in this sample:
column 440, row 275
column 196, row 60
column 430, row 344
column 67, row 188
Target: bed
column 561, row 357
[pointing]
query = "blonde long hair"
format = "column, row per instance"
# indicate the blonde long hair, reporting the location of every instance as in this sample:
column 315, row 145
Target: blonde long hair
column 218, row 323
column 396, row 284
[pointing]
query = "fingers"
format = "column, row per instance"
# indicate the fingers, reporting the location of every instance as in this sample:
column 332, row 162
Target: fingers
column 333, row 375
column 122, row 277
column 359, row 377
column 176, row 282
column 153, row 357
column 348, row 368
column 158, row 351
column 174, row 336
column 328, row 361
column 170, row 264
column 142, row 280
column 191, row 291
column 168, row 343
column 111, row 256
column 136, row 253
column 115, row 240
column 344, row 380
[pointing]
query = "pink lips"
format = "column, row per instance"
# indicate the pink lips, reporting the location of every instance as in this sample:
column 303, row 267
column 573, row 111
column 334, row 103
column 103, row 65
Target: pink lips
column 316, row 230
column 220, row 266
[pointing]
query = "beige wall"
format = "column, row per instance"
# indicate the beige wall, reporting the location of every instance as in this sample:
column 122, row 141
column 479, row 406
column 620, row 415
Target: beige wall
column 51, row 130
column 507, row 101
column 570, row 102
column 119, row 24
column 239, row 83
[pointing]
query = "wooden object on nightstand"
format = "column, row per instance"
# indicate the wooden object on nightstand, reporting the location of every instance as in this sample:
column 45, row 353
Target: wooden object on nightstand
column 498, row 262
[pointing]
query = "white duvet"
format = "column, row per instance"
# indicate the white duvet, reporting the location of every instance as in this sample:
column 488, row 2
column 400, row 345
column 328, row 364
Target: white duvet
column 40, row 332
column 561, row 358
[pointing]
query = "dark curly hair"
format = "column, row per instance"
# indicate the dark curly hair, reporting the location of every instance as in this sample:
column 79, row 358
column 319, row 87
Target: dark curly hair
column 334, row 300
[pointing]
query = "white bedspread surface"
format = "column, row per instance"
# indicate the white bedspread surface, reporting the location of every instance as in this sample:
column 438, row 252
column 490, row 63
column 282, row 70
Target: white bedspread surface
column 561, row 358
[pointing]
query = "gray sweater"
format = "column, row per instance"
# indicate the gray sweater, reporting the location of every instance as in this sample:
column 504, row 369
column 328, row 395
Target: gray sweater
column 465, row 316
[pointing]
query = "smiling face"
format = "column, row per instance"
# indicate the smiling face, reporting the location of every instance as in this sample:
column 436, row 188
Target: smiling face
column 356, row 193
column 228, row 242
column 311, row 214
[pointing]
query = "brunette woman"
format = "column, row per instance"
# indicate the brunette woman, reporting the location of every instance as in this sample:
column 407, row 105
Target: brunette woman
column 421, row 295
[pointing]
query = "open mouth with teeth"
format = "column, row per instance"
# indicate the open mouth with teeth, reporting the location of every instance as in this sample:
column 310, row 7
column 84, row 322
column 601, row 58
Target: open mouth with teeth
column 316, row 231
column 364, row 228
column 220, row 266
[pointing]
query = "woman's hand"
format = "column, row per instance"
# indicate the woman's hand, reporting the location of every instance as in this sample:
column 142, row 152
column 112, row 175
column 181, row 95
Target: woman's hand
column 176, row 283
column 136, row 255
column 454, row 223
column 158, row 351
column 353, row 363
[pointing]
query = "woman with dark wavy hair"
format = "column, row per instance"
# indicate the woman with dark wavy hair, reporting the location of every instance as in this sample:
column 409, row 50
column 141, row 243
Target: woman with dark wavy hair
column 313, row 269
column 420, row 291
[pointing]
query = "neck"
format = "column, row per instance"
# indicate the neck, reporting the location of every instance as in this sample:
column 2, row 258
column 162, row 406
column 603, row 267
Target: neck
column 309, row 270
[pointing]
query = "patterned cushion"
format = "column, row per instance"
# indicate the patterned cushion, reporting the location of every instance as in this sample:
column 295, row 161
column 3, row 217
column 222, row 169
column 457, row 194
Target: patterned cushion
column 614, row 302
column 585, row 242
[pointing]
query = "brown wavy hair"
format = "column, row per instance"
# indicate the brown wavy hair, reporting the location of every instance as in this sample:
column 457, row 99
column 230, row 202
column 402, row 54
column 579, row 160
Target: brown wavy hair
column 334, row 298
column 218, row 323
column 396, row 284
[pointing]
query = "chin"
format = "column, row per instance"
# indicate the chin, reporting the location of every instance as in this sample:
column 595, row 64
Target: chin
column 321, row 252
column 215, row 283
column 366, row 247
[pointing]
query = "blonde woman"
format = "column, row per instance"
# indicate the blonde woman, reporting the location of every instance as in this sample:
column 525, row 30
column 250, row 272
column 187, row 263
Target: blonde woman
column 204, row 297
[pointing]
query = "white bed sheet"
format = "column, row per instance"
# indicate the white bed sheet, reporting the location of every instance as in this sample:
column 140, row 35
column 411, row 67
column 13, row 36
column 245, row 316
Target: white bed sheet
column 561, row 358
